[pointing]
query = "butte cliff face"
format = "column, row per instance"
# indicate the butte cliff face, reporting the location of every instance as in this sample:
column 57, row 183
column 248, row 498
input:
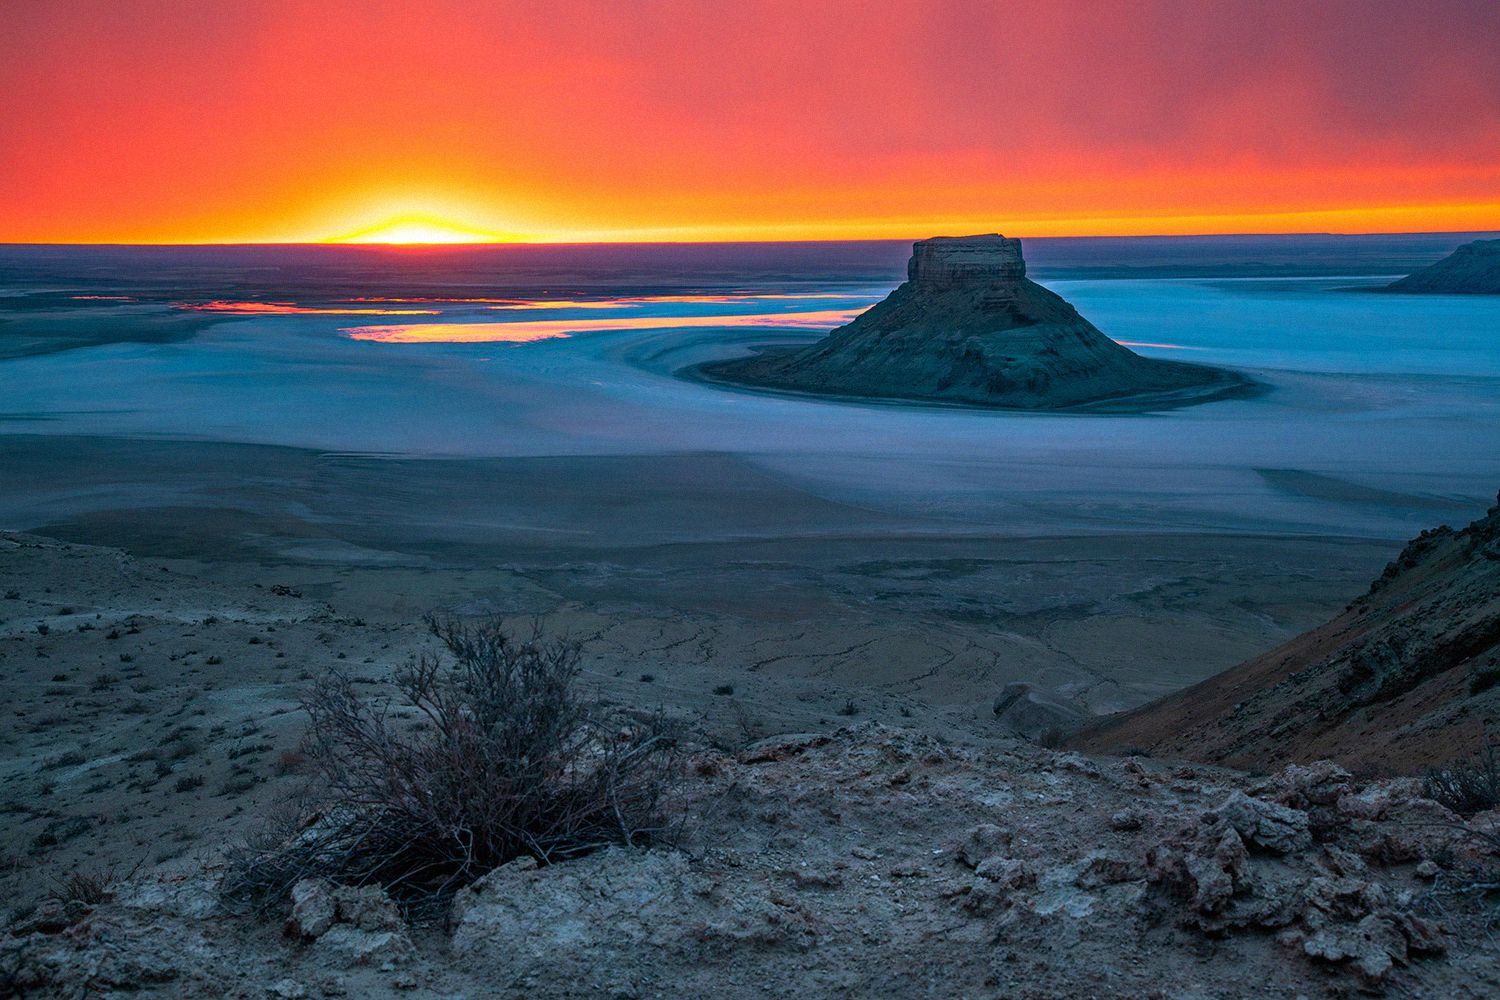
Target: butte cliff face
column 1472, row 269
column 1407, row 677
column 968, row 326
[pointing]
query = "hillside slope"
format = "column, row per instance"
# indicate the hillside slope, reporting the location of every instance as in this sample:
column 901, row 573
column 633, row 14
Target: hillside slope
column 1407, row 677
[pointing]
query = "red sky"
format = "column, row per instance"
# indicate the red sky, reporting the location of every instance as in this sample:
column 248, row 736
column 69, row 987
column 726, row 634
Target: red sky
column 281, row 120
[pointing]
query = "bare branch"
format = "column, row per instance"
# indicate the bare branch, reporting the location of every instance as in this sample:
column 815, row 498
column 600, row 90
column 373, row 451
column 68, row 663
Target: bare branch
column 510, row 762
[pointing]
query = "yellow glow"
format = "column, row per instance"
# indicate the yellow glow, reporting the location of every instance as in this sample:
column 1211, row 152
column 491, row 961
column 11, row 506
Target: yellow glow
column 408, row 229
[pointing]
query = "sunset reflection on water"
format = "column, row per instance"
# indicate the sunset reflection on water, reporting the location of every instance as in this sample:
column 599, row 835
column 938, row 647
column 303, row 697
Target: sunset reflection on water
column 524, row 331
column 292, row 309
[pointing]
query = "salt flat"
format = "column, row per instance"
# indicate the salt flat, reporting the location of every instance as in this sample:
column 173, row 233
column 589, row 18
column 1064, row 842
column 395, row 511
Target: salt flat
column 1108, row 557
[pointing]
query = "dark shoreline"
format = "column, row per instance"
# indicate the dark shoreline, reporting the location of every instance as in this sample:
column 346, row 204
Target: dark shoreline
column 1227, row 384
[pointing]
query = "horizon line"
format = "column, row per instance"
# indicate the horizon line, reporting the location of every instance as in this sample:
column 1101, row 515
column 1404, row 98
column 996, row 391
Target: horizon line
column 710, row 242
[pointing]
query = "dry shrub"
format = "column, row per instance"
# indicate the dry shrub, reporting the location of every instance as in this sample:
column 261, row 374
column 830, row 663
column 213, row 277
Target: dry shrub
column 290, row 762
column 1467, row 786
column 1053, row 738
column 507, row 761
column 89, row 887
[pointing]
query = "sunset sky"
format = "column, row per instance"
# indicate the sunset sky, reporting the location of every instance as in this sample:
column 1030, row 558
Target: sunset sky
column 282, row 120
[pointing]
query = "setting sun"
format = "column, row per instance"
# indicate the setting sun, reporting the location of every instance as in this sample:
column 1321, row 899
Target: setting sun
column 459, row 121
column 416, row 229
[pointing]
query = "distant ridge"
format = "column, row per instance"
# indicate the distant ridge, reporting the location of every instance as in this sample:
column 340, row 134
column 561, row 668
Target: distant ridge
column 968, row 327
column 530, row 268
column 1472, row 269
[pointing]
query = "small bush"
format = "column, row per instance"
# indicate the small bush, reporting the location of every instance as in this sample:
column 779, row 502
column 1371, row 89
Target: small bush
column 1484, row 678
column 1467, row 786
column 86, row 888
column 238, row 786
column 290, row 762
column 1052, row 738
column 507, row 761
column 60, row 831
column 724, row 689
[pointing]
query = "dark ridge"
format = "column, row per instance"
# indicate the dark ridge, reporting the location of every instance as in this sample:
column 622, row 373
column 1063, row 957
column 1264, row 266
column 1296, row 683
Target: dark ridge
column 1472, row 269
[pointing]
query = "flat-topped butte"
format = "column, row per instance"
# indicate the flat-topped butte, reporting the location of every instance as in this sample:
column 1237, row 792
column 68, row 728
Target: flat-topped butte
column 968, row 327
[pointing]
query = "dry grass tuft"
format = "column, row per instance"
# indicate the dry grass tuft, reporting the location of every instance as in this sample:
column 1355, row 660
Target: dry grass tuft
column 505, row 760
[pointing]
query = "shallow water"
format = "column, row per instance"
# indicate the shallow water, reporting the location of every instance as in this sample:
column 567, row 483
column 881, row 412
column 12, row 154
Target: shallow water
column 1382, row 413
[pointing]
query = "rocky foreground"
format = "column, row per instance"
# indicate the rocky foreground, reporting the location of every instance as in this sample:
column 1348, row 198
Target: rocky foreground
column 870, row 861
column 1472, row 269
column 879, row 860
column 969, row 327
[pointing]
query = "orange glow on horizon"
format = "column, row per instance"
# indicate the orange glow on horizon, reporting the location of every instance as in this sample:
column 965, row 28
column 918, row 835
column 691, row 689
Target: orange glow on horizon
column 423, row 230
column 456, row 121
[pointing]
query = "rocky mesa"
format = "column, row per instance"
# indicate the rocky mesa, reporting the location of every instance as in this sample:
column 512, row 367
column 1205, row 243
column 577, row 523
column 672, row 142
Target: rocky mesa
column 968, row 327
column 1472, row 269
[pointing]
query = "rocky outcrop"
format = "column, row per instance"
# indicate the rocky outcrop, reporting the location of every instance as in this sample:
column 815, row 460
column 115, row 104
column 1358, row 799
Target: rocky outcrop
column 969, row 327
column 1472, row 269
column 1265, row 825
column 1406, row 678
column 1027, row 711
column 348, row 926
column 869, row 862
column 1332, row 907
column 526, row 926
